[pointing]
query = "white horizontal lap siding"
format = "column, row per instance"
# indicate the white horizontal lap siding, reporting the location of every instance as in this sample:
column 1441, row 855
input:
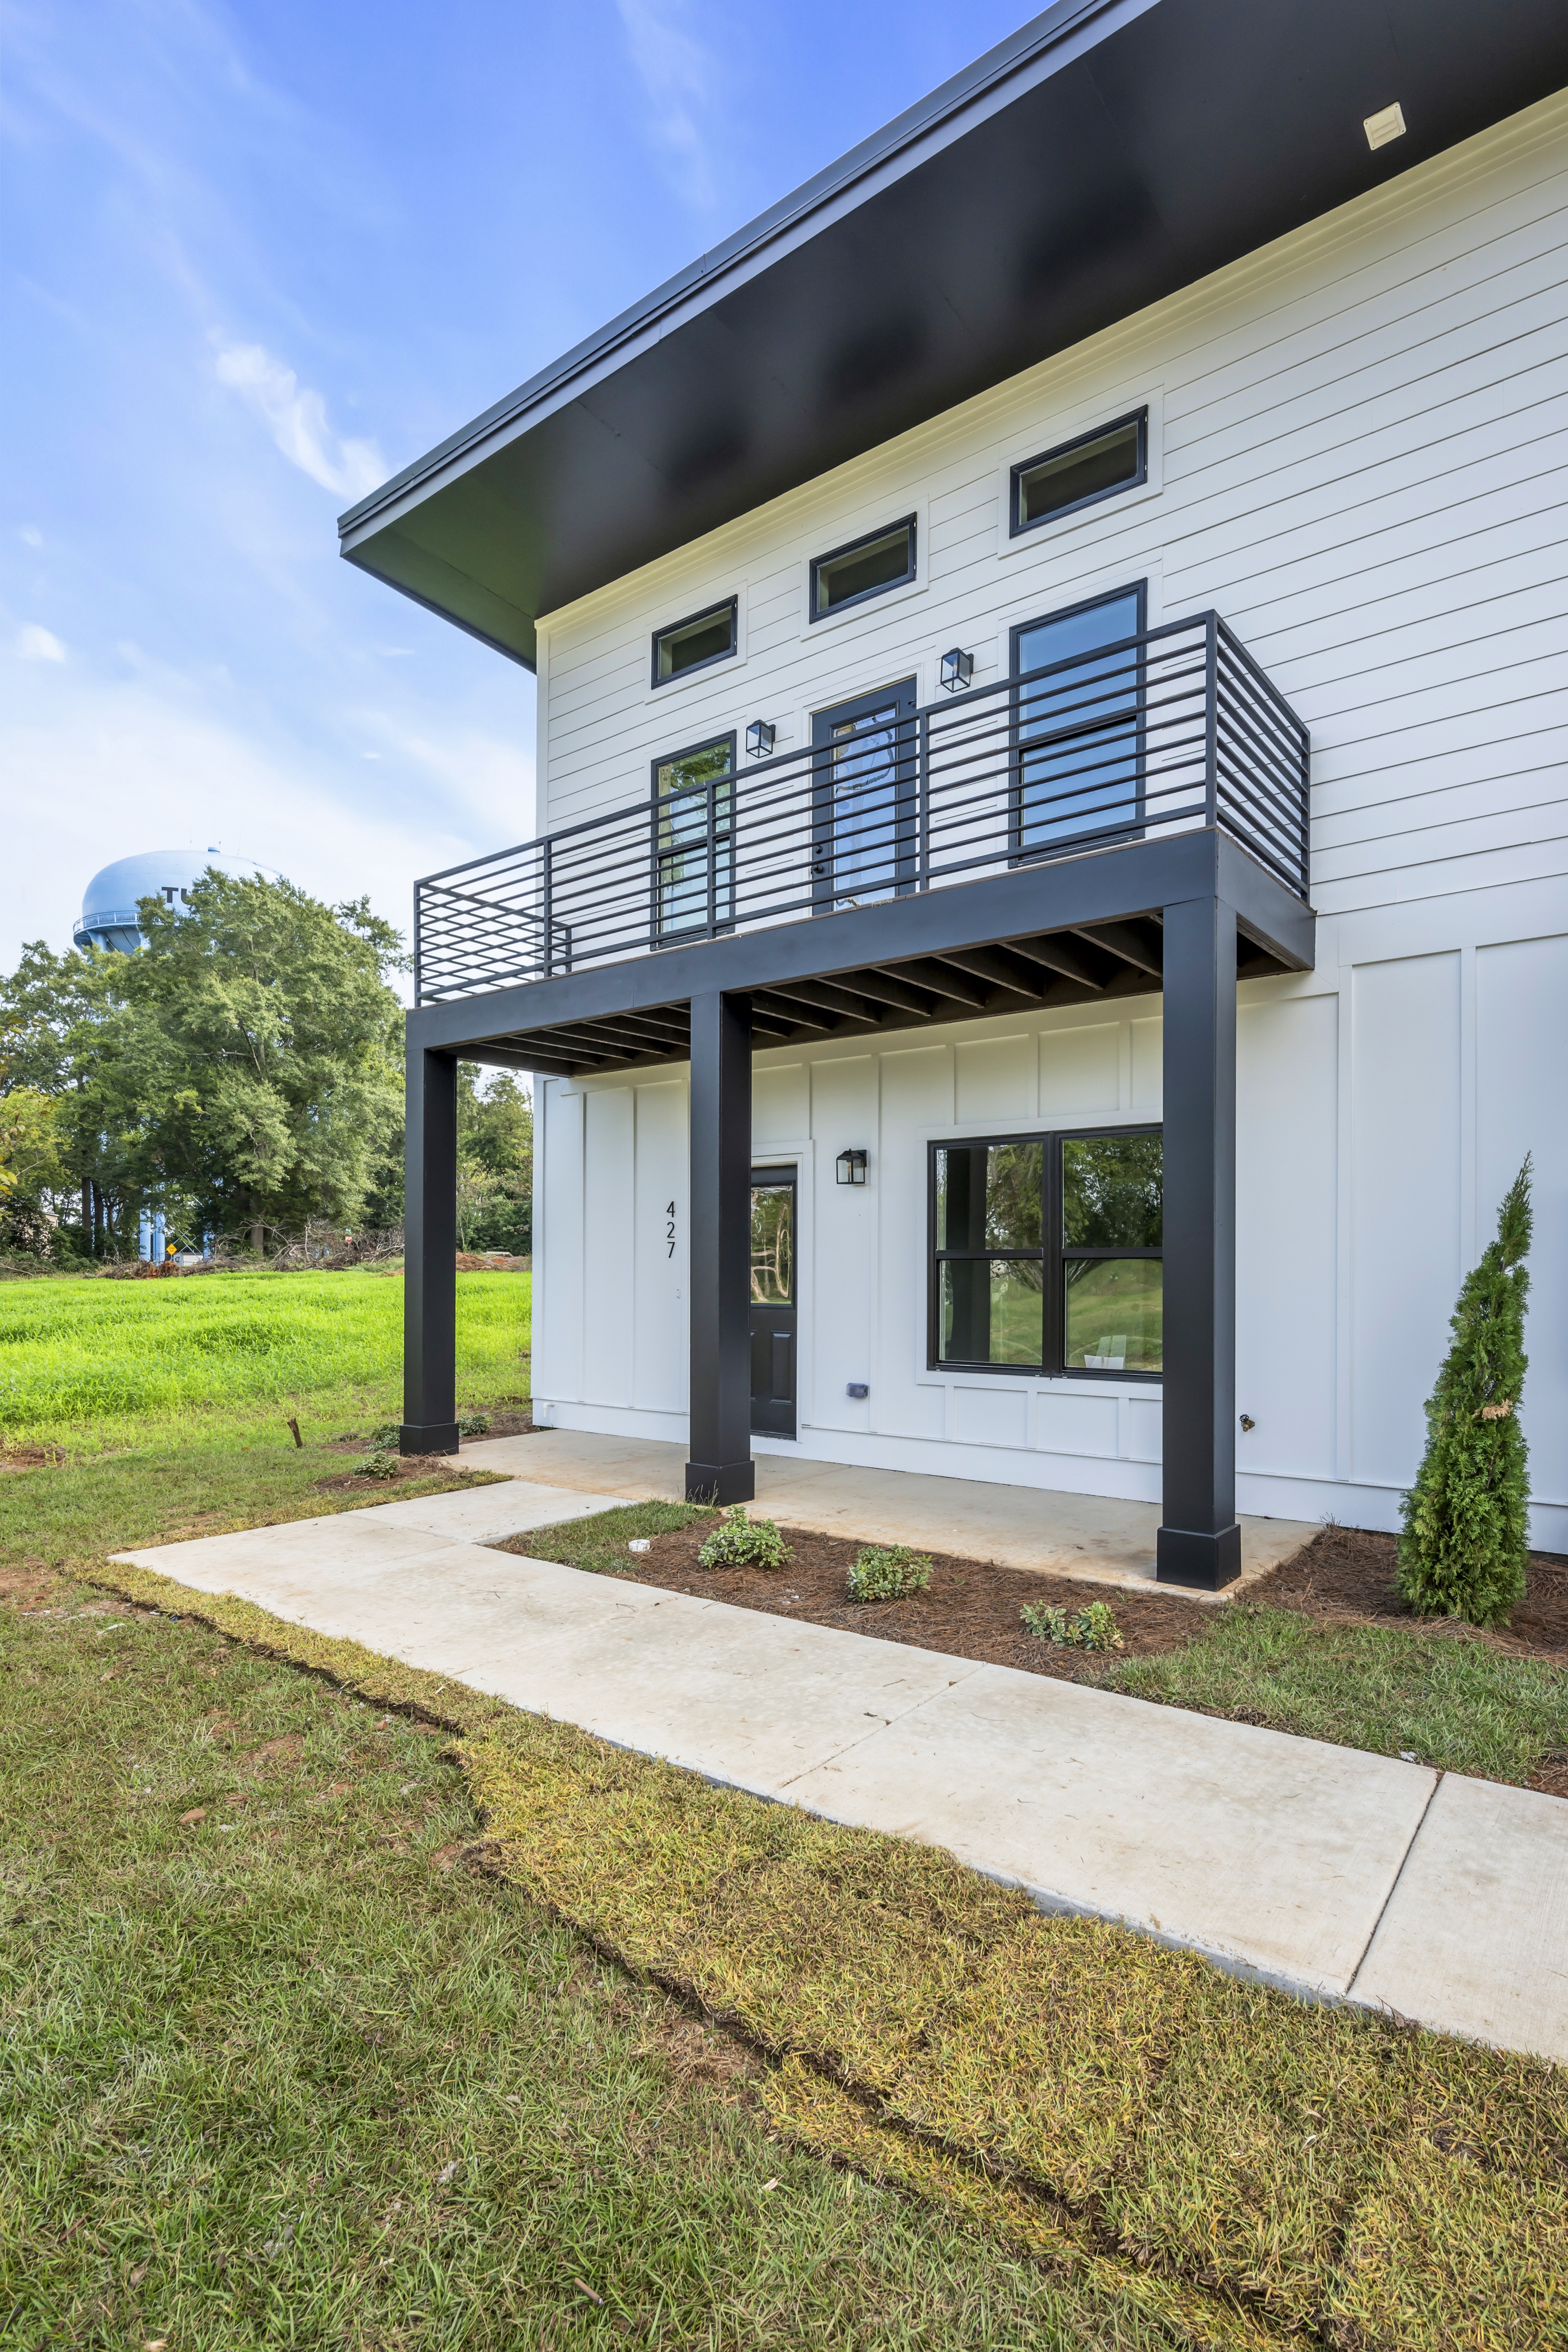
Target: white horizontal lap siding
column 1364, row 469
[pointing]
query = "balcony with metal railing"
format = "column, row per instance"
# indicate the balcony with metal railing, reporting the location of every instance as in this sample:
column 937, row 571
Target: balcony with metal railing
column 1163, row 732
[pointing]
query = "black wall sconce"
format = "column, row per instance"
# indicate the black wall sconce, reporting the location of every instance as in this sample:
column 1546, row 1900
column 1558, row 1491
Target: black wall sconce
column 958, row 669
column 849, row 1168
column 760, row 738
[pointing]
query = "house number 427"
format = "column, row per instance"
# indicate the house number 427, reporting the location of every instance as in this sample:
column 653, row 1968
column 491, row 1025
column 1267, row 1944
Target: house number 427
column 669, row 1227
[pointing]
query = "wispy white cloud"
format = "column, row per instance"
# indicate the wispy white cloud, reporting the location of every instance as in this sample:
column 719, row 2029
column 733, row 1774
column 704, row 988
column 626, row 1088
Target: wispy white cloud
column 30, row 535
column 681, row 78
column 34, row 643
column 297, row 418
column 102, row 765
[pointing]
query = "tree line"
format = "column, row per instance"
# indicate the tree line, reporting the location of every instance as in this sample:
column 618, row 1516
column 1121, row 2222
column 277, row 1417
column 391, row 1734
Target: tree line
column 242, row 1074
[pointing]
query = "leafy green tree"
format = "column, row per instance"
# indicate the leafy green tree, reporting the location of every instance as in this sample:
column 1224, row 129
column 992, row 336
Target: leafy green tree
column 244, row 1070
column 1464, row 1544
column 495, row 1161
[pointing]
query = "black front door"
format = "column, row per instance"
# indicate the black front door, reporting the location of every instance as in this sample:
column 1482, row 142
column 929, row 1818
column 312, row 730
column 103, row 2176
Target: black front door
column 865, row 794
column 773, row 1301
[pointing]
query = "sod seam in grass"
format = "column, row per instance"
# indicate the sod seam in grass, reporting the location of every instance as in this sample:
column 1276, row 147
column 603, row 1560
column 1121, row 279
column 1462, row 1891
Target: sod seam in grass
column 276, row 2069
column 1289, row 2162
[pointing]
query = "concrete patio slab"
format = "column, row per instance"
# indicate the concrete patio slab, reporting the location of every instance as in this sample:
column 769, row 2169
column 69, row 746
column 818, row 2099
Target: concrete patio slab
column 1474, row 1939
column 1090, row 1537
column 1320, row 1868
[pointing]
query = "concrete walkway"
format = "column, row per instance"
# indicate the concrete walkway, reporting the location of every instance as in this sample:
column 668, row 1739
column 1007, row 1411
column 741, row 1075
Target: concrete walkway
column 1320, row 1868
column 1088, row 1536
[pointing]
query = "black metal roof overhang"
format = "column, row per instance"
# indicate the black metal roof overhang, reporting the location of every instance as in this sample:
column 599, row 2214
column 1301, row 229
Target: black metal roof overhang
column 1110, row 152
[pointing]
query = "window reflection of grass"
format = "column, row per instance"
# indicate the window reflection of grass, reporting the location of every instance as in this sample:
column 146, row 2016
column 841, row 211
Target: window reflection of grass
column 1110, row 1298
column 1011, row 1331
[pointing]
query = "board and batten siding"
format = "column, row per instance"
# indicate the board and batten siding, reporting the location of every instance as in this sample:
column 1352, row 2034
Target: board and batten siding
column 1358, row 457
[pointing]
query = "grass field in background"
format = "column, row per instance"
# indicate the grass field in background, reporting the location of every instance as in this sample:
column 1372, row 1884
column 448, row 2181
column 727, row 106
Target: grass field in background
column 91, row 1361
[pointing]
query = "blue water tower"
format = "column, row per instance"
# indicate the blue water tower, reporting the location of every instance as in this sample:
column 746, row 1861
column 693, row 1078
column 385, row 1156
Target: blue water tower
column 108, row 903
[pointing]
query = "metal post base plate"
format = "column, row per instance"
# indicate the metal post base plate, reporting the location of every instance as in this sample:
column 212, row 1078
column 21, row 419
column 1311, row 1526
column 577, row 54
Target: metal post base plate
column 1204, row 1562
column 440, row 1437
column 724, row 1482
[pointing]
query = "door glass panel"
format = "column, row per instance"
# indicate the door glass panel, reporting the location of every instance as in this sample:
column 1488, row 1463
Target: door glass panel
column 1078, row 768
column 773, row 1245
column 1114, row 1322
column 990, row 1310
column 864, row 760
column 1112, row 1194
column 694, row 849
column 988, row 1196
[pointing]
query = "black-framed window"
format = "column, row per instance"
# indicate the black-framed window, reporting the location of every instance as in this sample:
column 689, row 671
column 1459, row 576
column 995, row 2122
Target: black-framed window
column 694, row 840
column 1079, row 472
column 1079, row 722
column 864, row 567
column 1047, row 1254
column 695, row 643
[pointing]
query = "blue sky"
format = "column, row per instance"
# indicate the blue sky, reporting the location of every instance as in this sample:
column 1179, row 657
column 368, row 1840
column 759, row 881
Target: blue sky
column 256, row 259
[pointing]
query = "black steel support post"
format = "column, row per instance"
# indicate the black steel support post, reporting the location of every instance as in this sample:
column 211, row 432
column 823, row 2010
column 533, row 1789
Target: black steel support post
column 430, row 1262
column 1199, row 1542
column 720, row 1469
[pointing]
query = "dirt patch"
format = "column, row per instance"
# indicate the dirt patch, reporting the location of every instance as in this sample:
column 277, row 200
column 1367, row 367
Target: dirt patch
column 409, row 1466
column 31, row 1457
column 26, row 1585
column 284, row 1750
column 506, row 1421
column 971, row 1609
column 516, row 1423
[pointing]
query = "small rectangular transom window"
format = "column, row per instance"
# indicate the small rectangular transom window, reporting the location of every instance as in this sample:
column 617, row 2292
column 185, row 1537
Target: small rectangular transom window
column 1080, row 472
column 689, row 644
column 882, row 559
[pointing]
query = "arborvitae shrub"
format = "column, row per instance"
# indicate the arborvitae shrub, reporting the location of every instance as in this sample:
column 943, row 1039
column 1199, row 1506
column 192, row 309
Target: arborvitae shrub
column 1466, row 1541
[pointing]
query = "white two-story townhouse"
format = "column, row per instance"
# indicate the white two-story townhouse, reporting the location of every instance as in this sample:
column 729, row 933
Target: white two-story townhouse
column 1045, row 936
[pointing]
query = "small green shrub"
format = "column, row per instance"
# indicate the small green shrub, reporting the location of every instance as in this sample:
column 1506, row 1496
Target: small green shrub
column 381, row 1463
column 1092, row 1628
column 888, row 1573
column 473, row 1424
column 386, row 1433
column 740, row 1542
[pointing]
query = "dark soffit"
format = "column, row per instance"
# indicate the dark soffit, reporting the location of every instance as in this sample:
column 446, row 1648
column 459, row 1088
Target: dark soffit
column 1110, row 152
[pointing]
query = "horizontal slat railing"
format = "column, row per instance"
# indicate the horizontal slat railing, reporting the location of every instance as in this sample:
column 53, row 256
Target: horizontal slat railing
column 1174, row 729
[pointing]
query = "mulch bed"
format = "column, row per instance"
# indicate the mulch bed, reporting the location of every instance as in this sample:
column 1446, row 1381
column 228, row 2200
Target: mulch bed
column 1350, row 1572
column 971, row 1607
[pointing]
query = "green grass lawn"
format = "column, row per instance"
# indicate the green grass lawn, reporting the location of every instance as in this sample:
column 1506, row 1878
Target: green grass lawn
column 1416, row 1691
column 291, row 2074
column 97, row 1362
column 294, row 2074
